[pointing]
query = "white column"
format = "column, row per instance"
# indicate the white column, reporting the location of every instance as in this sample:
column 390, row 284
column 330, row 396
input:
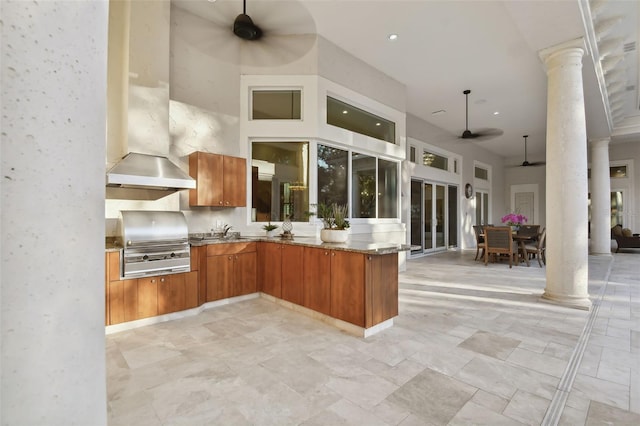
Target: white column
column 566, row 188
column 53, row 85
column 600, row 198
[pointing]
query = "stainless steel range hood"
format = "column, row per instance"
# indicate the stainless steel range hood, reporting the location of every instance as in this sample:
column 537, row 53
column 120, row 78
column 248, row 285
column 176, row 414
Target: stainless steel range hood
column 146, row 177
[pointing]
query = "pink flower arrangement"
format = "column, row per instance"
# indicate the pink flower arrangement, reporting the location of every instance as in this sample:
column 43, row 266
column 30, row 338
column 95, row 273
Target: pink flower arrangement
column 513, row 219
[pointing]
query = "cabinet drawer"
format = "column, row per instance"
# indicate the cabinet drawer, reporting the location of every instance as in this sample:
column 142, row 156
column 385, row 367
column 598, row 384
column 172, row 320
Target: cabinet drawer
column 231, row 248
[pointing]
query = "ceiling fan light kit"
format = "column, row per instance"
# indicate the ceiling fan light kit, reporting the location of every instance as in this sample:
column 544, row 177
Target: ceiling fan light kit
column 244, row 27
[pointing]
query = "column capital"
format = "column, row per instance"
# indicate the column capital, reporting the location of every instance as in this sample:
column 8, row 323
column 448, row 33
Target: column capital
column 576, row 46
column 599, row 142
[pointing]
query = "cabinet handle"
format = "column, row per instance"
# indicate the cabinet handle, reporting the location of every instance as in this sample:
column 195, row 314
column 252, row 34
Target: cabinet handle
column 368, row 257
column 153, row 281
column 220, row 202
column 226, row 202
column 326, row 253
column 333, row 254
column 161, row 280
column 230, row 257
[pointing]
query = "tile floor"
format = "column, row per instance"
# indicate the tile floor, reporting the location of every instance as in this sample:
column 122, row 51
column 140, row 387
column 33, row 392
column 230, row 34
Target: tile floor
column 471, row 345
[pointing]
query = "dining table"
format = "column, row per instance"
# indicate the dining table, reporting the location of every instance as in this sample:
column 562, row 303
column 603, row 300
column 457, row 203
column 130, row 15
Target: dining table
column 522, row 241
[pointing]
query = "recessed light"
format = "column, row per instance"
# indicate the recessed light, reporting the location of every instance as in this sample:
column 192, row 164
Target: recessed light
column 496, row 113
column 345, row 112
column 378, row 124
column 393, row 37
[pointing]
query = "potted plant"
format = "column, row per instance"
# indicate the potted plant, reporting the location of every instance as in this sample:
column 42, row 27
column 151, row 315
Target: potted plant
column 514, row 220
column 335, row 223
column 271, row 229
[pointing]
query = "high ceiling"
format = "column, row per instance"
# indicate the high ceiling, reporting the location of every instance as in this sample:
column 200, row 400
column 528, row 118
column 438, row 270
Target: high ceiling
column 489, row 47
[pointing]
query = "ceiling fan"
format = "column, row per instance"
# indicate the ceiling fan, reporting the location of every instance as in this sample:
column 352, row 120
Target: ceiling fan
column 481, row 134
column 526, row 163
column 270, row 33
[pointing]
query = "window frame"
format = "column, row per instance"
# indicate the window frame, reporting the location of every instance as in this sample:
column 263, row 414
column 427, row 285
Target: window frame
column 273, row 88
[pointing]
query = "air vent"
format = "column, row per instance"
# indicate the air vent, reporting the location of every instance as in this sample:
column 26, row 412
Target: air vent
column 630, row 47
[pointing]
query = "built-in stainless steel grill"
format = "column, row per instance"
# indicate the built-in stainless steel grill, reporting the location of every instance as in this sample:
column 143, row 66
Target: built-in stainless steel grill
column 155, row 243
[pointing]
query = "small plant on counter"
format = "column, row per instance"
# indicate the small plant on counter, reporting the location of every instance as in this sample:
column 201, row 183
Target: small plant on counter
column 269, row 227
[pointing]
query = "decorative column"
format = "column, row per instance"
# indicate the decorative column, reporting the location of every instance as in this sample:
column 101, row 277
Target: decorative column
column 600, row 198
column 567, row 214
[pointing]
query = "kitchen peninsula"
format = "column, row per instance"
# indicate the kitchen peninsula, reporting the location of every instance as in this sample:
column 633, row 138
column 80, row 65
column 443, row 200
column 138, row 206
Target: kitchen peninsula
column 353, row 285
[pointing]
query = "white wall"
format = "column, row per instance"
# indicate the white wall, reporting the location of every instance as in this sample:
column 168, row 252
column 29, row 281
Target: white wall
column 53, row 152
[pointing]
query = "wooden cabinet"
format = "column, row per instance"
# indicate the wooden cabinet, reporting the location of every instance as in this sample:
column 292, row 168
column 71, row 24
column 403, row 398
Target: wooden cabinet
column 347, row 286
column 270, row 255
column 177, row 292
column 230, row 270
column 220, row 180
column 291, row 266
column 316, row 279
column 354, row 287
column 132, row 299
column 281, row 271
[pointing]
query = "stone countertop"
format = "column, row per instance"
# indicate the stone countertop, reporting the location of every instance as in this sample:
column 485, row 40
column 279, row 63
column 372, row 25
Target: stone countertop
column 112, row 245
column 355, row 246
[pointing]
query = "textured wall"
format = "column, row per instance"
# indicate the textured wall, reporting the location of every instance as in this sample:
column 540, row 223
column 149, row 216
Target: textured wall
column 53, row 79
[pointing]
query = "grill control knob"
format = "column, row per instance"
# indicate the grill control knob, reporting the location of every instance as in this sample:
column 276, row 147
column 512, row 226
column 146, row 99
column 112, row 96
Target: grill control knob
column 173, row 255
column 145, row 257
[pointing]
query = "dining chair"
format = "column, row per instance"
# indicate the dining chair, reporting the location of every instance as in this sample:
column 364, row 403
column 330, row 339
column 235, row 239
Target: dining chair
column 538, row 249
column 498, row 240
column 529, row 231
column 478, row 229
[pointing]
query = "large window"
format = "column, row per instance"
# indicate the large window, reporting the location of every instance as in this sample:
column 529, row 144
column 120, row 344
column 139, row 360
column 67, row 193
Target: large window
column 333, row 169
column 348, row 117
column 280, row 177
column 363, row 185
column 387, row 189
column 373, row 185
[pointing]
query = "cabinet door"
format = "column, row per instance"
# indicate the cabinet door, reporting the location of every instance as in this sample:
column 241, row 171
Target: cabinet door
column 130, row 290
column 245, row 274
column 347, row 287
column 381, row 288
column 191, row 285
column 235, row 182
column 292, row 273
column 115, row 305
column 219, row 276
column 171, row 293
column 271, row 269
column 316, row 279
column 147, row 297
column 207, row 170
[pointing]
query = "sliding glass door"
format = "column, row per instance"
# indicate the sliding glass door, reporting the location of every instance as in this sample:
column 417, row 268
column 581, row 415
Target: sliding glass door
column 433, row 216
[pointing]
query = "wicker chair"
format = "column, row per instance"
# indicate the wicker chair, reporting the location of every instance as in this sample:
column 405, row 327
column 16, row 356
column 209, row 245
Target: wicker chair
column 499, row 241
column 478, row 229
column 538, row 249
